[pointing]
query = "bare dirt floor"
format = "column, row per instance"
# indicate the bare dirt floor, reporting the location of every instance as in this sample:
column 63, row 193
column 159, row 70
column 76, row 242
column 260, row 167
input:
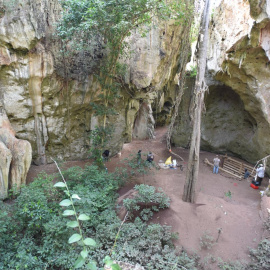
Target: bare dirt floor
column 238, row 216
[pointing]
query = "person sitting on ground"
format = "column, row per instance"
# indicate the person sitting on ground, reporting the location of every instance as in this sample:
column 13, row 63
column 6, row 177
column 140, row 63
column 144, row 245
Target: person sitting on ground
column 150, row 157
column 260, row 174
column 247, row 174
column 216, row 164
column 105, row 155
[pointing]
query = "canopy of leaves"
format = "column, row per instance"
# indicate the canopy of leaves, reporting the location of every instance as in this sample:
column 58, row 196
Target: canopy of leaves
column 110, row 21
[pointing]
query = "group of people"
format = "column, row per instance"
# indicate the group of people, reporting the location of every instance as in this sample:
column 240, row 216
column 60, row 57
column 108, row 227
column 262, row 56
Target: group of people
column 149, row 158
column 259, row 171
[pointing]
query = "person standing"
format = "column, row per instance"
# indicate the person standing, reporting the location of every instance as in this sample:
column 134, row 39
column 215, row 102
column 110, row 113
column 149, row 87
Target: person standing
column 105, row 155
column 246, row 174
column 260, row 174
column 139, row 157
column 216, row 161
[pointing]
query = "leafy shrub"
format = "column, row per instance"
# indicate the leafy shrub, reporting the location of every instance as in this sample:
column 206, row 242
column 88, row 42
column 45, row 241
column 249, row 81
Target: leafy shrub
column 13, row 192
column 100, row 137
column 147, row 199
column 37, row 202
column 237, row 265
column 34, row 235
column 148, row 245
column 137, row 165
column 260, row 256
column 228, row 194
column 207, row 241
column 192, row 73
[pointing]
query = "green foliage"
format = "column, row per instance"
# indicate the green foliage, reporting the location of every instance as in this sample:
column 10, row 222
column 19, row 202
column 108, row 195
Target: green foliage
column 100, row 137
column 267, row 223
column 192, row 73
column 232, row 265
column 228, row 194
column 207, row 241
column 148, row 245
column 137, row 165
column 103, row 26
column 34, row 234
column 148, row 200
column 13, row 192
column 36, row 203
column 260, row 256
column 113, row 20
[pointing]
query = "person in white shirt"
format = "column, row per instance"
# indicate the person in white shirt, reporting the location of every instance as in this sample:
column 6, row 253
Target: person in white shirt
column 216, row 164
column 260, row 173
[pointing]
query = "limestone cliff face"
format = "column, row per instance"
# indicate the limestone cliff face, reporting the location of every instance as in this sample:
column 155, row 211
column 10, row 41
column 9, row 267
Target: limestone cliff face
column 47, row 96
column 15, row 157
column 237, row 112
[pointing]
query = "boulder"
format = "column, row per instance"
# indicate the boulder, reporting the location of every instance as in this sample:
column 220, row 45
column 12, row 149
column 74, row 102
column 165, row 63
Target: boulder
column 15, row 157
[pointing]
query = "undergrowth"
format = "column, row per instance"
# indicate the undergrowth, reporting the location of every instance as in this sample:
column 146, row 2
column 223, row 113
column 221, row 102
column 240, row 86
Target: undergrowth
column 146, row 201
column 34, row 234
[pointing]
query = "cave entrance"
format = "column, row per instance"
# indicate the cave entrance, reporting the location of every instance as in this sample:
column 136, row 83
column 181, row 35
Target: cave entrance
column 144, row 123
column 163, row 114
column 226, row 126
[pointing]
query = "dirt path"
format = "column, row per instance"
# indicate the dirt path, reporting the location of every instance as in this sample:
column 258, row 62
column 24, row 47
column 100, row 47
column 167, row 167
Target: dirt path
column 238, row 217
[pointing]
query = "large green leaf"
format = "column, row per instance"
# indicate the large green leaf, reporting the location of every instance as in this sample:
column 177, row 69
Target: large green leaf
column 84, row 253
column 68, row 213
column 73, row 224
column 60, row 184
column 92, row 265
column 90, row 242
column 79, row 262
column 83, row 217
column 108, row 261
column 75, row 196
column 74, row 238
column 116, row 267
column 65, row 202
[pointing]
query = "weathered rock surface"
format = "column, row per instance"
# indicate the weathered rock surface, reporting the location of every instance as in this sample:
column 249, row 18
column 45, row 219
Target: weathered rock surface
column 237, row 106
column 15, row 157
column 47, row 96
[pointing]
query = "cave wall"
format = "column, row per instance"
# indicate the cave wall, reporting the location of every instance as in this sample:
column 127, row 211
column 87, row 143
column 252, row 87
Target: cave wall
column 47, row 96
column 237, row 113
column 226, row 125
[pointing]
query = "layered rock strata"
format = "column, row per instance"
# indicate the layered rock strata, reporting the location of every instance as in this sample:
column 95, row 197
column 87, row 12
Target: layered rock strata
column 15, row 157
column 237, row 113
column 47, row 94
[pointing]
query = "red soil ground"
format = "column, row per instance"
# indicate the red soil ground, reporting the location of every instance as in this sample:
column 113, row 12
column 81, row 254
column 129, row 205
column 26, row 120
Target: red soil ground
column 239, row 217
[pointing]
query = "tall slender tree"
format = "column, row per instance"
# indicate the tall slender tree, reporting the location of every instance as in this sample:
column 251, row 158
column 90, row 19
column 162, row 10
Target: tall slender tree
column 198, row 99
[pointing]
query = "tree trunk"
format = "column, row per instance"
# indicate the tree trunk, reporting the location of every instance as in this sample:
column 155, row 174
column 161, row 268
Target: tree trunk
column 199, row 89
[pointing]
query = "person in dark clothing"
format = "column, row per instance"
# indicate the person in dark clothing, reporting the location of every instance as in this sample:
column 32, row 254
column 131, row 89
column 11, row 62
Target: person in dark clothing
column 139, row 156
column 247, row 174
column 150, row 157
column 105, row 155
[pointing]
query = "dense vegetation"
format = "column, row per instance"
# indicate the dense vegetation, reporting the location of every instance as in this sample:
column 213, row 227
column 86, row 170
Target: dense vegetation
column 34, row 235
